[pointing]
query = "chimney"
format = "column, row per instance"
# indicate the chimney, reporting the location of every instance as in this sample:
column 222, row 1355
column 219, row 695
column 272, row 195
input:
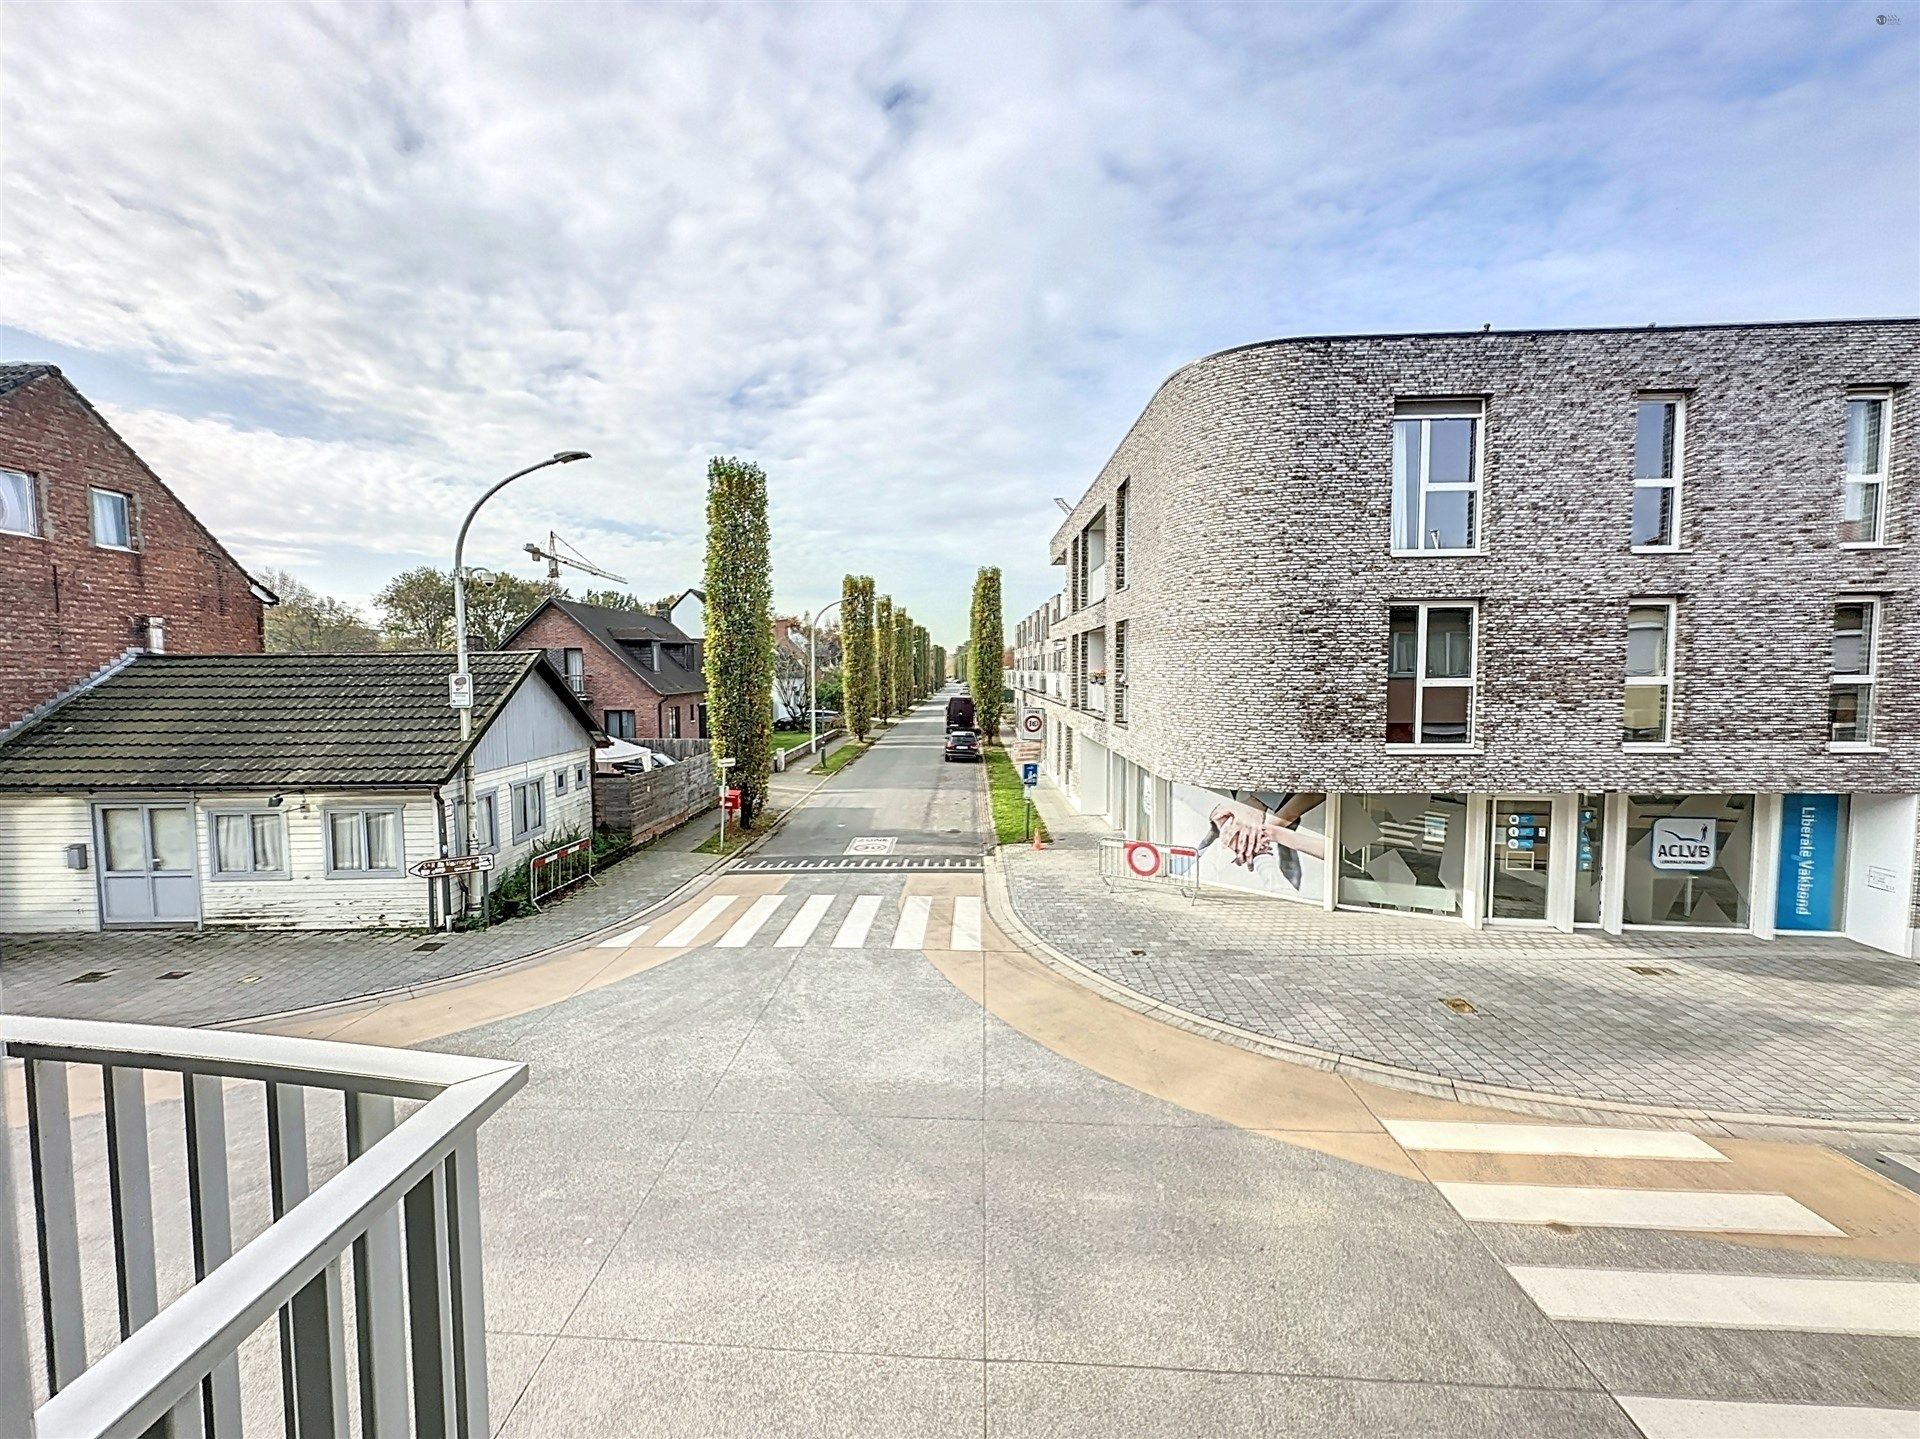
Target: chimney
column 656, row 656
column 156, row 634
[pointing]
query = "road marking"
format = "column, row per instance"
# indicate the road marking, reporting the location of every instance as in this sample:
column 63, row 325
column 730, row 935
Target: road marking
column 621, row 941
column 853, row 929
column 1699, row 1210
column 1661, row 1418
column 801, row 927
column 688, row 930
column 1575, row 1139
column 1729, row 1301
column 966, row 922
column 911, row 932
column 748, row 925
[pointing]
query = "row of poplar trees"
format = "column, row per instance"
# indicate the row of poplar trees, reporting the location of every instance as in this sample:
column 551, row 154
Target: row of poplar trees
column 985, row 666
column 888, row 663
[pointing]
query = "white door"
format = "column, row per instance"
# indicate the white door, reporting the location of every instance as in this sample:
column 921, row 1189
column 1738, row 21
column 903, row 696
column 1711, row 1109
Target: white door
column 147, row 870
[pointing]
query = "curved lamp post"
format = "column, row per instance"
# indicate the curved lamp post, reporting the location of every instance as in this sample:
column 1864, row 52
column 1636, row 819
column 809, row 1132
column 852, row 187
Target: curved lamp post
column 564, row 457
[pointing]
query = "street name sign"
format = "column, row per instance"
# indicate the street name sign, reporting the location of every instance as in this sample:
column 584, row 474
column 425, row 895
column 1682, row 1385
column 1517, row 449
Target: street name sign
column 444, row 865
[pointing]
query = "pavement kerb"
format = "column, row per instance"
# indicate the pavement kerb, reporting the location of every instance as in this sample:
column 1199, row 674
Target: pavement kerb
column 1731, row 1124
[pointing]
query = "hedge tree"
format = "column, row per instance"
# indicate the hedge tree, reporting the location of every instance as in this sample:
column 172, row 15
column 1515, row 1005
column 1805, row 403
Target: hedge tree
column 986, row 645
column 883, row 655
column 856, row 662
column 739, row 624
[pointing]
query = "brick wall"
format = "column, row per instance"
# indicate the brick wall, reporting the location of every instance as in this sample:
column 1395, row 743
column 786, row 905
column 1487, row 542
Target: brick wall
column 68, row 607
column 612, row 684
column 1260, row 575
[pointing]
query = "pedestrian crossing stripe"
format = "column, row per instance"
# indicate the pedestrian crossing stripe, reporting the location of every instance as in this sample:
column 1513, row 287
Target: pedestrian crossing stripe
column 1793, row 1302
column 1665, row 1418
column 1697, row 1211
column 1575, row 1140
column 718, row 920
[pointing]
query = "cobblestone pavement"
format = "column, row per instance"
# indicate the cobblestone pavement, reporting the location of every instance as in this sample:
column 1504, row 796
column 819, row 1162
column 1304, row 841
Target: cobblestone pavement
column 1810, row 1029
column 225, row 976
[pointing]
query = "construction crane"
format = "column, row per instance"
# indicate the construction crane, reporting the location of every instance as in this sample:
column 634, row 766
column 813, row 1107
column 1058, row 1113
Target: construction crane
column 558, row 552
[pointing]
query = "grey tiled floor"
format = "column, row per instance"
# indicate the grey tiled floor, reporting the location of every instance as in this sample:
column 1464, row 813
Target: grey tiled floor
column 1808, row 1028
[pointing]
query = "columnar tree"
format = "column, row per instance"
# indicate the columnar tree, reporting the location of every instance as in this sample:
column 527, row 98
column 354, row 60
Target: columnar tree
column 922, row 661
column 939, row 667
column 883, row 655
column 856, row 625
column 739, row 621
column 902, row 661
column 986, row 645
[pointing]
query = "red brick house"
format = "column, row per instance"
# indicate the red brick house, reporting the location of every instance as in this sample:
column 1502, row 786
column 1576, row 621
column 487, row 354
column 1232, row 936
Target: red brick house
column 639, row 673
column 98, row 558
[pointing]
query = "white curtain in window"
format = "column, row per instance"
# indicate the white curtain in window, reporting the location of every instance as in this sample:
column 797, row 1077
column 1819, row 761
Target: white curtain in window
column 269, row 850
column 383, row 841
column 348, row 852
column 230, row 852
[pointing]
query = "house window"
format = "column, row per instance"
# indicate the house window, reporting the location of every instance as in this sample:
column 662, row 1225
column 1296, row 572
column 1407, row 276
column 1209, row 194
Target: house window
column 112, row 520
column 529, row 810
column 618, row 724
column 1436, row 478
column 575, row 663
column 560, row 780
column 580, row 774
column 1864, row 500
column 1649, row 693
column 1856, row 634
column 363, row 843
column 1120, row 536
column 249, row 844
column 18, row 513
column 1659, row 438
column 1430, row 674
column 673, row 723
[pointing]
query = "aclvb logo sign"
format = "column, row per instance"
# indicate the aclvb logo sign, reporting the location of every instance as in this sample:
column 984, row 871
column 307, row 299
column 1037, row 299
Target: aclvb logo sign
column 1684, row 844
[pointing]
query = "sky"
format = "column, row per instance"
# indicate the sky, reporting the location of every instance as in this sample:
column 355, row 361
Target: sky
column 332, row 270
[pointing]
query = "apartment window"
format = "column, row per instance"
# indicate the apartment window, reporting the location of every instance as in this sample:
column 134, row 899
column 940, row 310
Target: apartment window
column 1856, row 634
column 1430, row 674
column 1120, row 537
column 18, row 513
column 1649, row 692
column 1659, row 461
column 529, row 810
column 363, row 843
column 112, row 520
column 1864, row 501
column 1118, row 702
column 1436, row 478
column 249, row 844
column 617, row 723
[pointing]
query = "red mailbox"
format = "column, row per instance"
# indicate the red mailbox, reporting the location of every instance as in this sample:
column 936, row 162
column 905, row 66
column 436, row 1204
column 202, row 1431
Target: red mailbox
column 730, row 801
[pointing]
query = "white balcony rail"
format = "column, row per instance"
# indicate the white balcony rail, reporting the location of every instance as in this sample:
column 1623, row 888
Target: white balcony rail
column 400, row 1218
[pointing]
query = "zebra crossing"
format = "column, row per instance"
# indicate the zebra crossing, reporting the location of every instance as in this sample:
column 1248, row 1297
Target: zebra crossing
column 735, row 921
column 1801, row 1303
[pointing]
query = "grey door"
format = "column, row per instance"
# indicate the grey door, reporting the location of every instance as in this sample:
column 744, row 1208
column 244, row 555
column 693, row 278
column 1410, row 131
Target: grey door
column 147, row 871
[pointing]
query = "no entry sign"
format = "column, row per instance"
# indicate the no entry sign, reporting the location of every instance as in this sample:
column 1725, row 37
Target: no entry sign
column 1143, row 859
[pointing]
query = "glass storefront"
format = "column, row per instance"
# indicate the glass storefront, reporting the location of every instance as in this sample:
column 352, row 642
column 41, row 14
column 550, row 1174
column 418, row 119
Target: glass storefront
column 1403, row 851
column 1689, row 860
column 1812, row 892
column 1589, row 828
column 1520, row 859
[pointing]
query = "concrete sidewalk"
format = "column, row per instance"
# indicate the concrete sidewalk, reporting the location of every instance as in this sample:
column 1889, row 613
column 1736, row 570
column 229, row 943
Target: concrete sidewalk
column 227, row 976
column 1722, row 1027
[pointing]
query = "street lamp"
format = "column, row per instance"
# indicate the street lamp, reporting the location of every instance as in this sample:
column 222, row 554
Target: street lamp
column 463, row 679
column 813, row 674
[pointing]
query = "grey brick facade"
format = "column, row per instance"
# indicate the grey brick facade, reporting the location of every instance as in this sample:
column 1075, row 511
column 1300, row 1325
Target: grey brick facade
column 1259, row 571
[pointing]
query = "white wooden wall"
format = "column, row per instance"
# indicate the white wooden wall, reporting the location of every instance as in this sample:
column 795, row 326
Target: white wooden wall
column 38, row 893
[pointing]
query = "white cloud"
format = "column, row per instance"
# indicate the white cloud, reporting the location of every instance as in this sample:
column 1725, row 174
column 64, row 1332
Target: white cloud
column 924, row 263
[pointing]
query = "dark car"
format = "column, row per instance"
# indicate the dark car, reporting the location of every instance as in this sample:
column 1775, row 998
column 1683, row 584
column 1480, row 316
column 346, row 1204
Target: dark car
column 962, row 744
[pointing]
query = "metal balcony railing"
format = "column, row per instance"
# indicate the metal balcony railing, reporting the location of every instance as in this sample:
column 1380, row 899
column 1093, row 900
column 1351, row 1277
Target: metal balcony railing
column 398, row 1222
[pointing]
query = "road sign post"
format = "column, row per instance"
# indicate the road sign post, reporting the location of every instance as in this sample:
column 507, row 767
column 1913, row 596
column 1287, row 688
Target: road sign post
column 723, row 765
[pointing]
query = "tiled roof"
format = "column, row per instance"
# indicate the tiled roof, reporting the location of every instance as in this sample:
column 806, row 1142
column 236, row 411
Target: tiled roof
column 13, row 376
column 254, row 721
column 629, row 636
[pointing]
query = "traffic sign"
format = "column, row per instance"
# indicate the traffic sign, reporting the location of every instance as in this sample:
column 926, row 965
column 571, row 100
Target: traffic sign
column 460, row 690
column 1030, row 774
column 1033, row 722
column 450, row 864
column 1143, row 859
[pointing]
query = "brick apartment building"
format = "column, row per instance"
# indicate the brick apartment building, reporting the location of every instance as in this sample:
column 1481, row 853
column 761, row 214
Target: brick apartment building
column 98, row 558
column 1609, row 628
column 638, row 672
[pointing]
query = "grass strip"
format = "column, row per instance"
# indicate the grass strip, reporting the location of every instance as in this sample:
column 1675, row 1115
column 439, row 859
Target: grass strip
column 1009, row 799
column 839, row 758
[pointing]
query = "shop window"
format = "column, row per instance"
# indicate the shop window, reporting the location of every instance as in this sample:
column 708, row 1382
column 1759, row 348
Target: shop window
column 1689, row 860
column 1403, row 852
column 1812, row 889
column 1589, row 829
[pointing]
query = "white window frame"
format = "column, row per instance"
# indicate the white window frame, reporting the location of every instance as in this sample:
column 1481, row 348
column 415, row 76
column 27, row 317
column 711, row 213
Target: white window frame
column 32, row 483
column 217, row 874
column 1676, row 482
column 1666, row 682
column 1422, row 413
column 1869, row 680
column 1881, row 480
column 1421, row 682
column 95, row 493
column 515, row 790
column 335, row 871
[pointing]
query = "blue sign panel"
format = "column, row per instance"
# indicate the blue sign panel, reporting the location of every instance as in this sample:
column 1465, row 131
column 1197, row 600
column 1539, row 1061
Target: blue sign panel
column 1030, row 774
column 1809, row 849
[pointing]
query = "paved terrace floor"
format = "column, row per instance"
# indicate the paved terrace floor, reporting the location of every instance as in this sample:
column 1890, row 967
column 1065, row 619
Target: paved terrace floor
column 1810, row 1029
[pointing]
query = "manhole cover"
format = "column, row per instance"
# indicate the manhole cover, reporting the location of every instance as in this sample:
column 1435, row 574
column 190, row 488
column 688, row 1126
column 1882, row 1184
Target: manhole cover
column 1459, row 1006
column 1648, row 969
column 430, row 946
column 92, row 976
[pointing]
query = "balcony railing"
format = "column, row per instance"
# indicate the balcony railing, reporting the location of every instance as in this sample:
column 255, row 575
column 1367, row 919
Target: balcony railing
column 399, row 1221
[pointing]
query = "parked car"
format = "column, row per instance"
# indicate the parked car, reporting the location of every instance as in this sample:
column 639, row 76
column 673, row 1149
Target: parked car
column 962, row 744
